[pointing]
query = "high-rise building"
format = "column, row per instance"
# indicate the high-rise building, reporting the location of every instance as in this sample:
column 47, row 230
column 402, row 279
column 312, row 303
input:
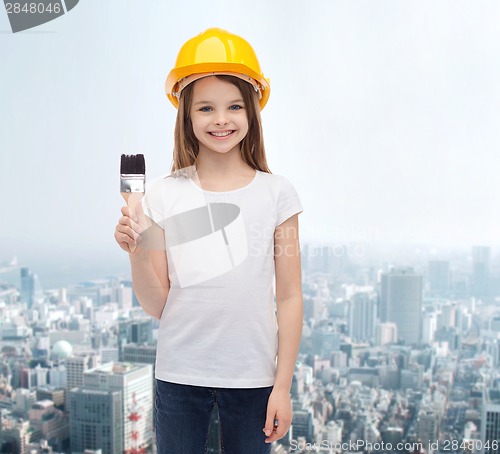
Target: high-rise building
column 141, row 331
column 490, row 421
column 324, row 341
column 333, row 432
column 25, row 398
column 302, row 425
column 15, row 434
column 393, row 435
column 76, row 366
column 142, row 354
column 28, row 377
column 123, row 296
column 109, row 354
column 411, row 378
column 136, row 331
column 386, row 333
column 429, row 326
column 370, row 431
column 449, row 335
column 362, row 315
column 58, row 376
column 41, row 375
column 135, row 383
column 439, row 276
column 427, row 426
column 314, row 307
column 401, row 302
column 128, row 283
column 48, row 423
column 30, row 287
column 389, row 377
column 448, row 315
column 96, row 420
column 480, row 271
column 56, row 395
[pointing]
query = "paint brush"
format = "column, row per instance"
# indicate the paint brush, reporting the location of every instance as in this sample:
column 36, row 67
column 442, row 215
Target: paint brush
column 132, row 182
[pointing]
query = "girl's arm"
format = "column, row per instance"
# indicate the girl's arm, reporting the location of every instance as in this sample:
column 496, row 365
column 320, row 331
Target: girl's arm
column 289, row 307
column 148, row 261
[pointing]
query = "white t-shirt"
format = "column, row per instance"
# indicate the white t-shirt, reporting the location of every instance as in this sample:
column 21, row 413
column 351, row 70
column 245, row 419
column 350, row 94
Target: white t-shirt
column 219, row 325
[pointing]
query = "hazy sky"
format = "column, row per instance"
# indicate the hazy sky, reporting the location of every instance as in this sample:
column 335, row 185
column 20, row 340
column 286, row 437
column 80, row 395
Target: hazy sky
column 385, row 115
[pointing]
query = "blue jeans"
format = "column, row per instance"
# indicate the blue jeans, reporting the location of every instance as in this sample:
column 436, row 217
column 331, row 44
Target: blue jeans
column 183, row 414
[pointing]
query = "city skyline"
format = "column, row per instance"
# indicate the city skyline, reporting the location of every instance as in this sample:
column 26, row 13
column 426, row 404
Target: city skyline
column 63, row 270
column 364, row 372
column 55, row 272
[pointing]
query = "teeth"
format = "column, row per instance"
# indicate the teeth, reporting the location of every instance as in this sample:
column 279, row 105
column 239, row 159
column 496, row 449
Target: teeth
column 221, row 134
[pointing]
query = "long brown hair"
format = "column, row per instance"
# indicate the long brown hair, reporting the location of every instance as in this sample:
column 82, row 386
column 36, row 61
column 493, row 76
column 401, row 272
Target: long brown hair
column 186, row 145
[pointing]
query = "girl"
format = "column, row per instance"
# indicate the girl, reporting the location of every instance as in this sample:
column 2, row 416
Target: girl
column 215, row 232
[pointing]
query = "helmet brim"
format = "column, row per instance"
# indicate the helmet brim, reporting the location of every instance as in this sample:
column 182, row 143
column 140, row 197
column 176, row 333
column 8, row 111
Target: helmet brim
column 179, row 73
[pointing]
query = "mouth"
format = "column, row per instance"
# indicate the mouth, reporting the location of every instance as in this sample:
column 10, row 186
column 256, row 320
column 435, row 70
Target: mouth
column 222, row 134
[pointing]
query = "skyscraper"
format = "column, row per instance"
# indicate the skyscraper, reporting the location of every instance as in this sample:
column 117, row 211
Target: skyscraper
column 480, row 271
column 76, row 366
column 96, row 420
column 386, row 333
column 142, row 354
column 427, row 426
column 135, row 383
column 134, row 331
column 490, row 421
column 362, row 314
column 439, row 276
column 325, row 340
column 30, row 287
column 401, row 302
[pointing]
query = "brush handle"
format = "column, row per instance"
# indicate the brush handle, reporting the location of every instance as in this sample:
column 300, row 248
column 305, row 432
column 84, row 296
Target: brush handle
column 132, row 199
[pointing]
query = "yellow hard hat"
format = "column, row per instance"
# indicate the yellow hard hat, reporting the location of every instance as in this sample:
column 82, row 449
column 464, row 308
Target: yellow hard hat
column 216, row 51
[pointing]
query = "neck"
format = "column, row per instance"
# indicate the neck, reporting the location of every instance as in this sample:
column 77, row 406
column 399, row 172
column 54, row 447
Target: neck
column 221, row 165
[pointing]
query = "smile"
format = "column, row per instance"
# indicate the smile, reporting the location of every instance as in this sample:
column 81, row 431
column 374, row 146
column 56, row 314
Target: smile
column 221, row 133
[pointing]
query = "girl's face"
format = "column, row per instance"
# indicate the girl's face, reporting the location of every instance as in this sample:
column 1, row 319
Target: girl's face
column 218, row 115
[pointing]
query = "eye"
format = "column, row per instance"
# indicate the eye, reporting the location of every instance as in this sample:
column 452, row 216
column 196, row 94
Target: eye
column 206, row 109
column 235, row 107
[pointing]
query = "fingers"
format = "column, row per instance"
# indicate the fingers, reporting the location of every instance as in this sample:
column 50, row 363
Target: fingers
column 270, row 415
column 129, row 222
column 271, row 423
column 278, row 415
column 279, row 429
column 135, row 212
column 126, row 211
column 125, row 241
column 127, row 231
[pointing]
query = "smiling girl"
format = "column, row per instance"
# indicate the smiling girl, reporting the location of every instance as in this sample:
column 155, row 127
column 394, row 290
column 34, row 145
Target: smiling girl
column 208, row 248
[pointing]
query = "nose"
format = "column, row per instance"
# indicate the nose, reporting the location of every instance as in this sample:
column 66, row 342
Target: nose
column 221, row 120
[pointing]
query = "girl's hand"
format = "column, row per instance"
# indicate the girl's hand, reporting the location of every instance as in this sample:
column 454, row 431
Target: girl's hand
column 128, row 230
column 279, row 406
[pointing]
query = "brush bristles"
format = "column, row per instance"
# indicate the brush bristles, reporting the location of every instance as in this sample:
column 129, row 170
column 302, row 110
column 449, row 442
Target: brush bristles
column 133, row 164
